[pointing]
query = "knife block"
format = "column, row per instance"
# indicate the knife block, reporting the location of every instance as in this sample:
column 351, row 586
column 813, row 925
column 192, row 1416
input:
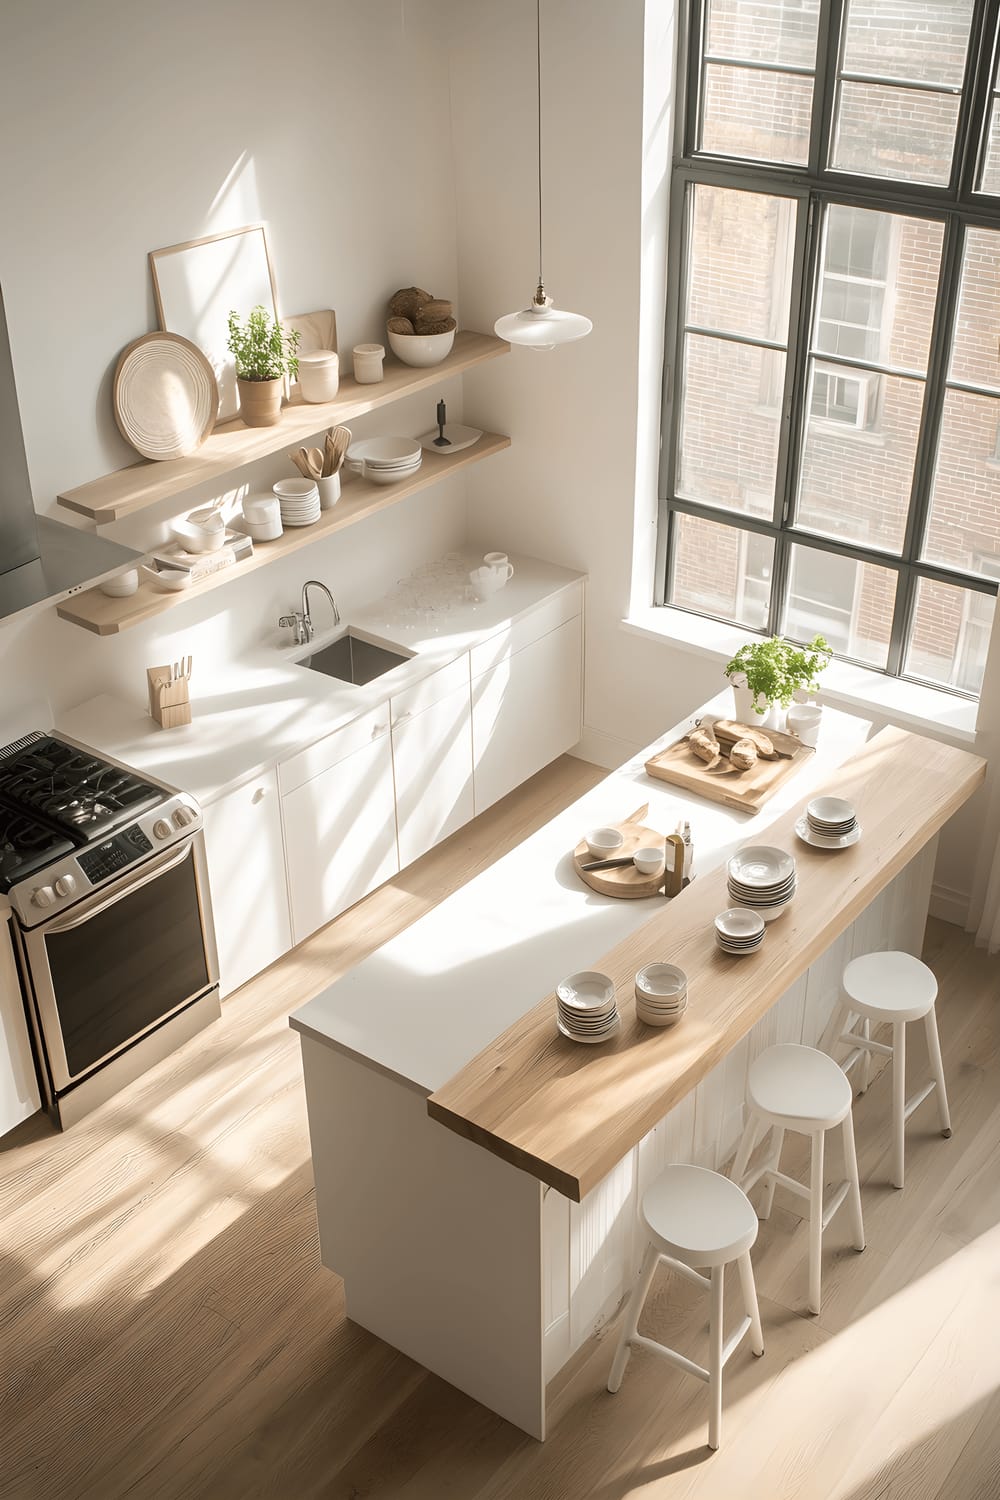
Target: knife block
column 169, row 701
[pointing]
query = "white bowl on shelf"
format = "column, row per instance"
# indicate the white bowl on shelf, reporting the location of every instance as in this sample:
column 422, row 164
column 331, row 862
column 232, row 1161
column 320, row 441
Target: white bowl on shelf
column 206, row 535
column 167, row 580
column 421, row 348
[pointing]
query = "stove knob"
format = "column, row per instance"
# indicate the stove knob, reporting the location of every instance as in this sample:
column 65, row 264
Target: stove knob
column 183, row 816
column 162, row 829
column 43, row 895
column 65, row 885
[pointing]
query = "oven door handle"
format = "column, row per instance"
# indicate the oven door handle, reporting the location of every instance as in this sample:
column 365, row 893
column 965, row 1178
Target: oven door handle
column 133, row 885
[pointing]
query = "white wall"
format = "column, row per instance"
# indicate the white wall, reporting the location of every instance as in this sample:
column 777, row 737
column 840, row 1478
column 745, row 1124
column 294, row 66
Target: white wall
column 128, row 127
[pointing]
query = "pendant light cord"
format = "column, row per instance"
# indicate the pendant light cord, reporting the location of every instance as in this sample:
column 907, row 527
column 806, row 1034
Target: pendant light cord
column 538, row 76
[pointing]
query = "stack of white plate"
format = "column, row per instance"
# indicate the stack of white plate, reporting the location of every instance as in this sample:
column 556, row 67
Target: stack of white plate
column 739, row 930
column 829, row 823
column 762, row 879
column 661, row 994
column 585, row 1007
column 386, row 460
column 299, row 501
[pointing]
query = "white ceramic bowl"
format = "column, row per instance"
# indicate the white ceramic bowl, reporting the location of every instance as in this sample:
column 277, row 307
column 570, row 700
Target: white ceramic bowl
column 586, row 990
column 385, row 452
column 421, row 348
column 648, row 861
column 170, row 581
column 604, row 843
column 203, row 536
column 661, row 982
column 830, row 811
column 122, row 585
column 740, row 924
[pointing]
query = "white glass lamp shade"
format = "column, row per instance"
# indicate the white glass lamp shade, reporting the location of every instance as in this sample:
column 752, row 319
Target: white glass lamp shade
column 542, row 327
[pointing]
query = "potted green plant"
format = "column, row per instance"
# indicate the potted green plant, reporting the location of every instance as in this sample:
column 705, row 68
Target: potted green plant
column 767, row 675
column 265, row 353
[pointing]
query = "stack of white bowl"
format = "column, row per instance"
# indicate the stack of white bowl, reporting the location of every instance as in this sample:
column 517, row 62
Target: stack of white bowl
column 830, row 823
column 763, row 879
column 385, row 460
column 262, row 517
column 298, row 500
column 739, row 930
column 661, row 994
column 586, row 1010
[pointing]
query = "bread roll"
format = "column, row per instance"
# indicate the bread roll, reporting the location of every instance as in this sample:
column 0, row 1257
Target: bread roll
column 743, row 755
column 704, row 746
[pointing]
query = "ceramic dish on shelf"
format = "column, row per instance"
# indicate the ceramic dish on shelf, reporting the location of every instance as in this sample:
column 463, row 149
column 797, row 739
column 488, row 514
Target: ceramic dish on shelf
column 421, row 348
column 167, row 580
column 808, row 835
column 739, row 930
column 459, row 437
column 165, row 396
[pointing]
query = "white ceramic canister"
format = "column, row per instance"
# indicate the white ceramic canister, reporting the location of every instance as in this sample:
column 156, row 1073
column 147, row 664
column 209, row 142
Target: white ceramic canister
column 329, row 491
column 368, row 363
column 319, row 375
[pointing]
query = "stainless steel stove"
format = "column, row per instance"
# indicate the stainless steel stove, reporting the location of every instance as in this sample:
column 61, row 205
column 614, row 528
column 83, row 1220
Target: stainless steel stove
column 106, row 876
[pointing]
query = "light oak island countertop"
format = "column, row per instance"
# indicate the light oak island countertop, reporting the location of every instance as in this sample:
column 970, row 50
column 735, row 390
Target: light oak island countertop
column 568, row 1113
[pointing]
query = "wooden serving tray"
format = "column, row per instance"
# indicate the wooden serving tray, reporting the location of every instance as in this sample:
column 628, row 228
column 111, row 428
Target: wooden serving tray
column 724, row 783
column 625, row 881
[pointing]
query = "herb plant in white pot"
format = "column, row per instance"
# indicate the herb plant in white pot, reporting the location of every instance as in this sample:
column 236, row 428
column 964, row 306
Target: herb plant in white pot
column 766, row 676
column 265, row 353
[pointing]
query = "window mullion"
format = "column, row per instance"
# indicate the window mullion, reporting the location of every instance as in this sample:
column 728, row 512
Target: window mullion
column 825, row 91
column 974, row 115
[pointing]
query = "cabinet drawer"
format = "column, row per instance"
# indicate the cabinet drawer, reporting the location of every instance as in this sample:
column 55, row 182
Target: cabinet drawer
column 433, row 688
column 527, row 628
column 335, row 747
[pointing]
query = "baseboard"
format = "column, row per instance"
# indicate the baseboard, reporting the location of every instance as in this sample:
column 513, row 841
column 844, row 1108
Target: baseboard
column 950, row 905
column 605, row 750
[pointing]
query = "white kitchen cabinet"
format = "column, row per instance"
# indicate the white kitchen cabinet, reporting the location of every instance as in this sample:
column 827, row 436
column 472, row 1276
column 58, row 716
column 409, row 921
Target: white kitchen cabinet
column 432, row 764
column 246, row 873
column 339, row 817
column 526, row 710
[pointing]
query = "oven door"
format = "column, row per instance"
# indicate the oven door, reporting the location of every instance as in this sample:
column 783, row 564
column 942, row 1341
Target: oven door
column 111, row 969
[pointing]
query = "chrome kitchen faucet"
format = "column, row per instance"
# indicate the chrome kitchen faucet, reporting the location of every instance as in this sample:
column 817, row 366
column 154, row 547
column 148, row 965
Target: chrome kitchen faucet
column 302, row 623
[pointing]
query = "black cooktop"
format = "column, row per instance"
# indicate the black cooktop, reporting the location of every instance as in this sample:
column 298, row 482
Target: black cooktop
column 55, row 797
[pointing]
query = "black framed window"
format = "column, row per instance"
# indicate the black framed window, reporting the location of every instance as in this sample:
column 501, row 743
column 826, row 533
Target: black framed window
column 831, row 459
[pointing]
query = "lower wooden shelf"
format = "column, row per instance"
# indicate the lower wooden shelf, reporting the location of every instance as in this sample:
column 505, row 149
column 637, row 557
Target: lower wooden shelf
column 360, row 498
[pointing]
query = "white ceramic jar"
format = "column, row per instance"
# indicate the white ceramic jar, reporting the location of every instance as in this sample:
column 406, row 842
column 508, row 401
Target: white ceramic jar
column 368, row 363
column 319, row 375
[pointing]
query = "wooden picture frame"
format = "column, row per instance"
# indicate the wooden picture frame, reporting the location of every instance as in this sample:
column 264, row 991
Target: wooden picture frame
column 198, row 282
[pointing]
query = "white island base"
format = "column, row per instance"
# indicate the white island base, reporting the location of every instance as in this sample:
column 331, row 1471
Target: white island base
column 453, row 1254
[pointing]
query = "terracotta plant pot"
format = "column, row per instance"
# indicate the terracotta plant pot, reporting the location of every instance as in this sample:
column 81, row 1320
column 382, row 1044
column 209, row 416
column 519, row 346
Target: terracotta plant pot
column 260, row 402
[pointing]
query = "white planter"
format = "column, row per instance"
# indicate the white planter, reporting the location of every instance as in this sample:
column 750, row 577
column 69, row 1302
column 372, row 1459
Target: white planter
column 743, row 709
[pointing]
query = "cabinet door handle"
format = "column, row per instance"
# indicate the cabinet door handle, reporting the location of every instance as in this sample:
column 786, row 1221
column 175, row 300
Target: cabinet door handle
column 378, row 729
column 259, row 794
column 406, row 714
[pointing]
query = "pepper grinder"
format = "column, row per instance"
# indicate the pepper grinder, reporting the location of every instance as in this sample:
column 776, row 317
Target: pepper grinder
column 441, row 441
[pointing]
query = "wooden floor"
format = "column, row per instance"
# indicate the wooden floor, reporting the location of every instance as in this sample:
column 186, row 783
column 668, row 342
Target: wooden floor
column 167, row 1330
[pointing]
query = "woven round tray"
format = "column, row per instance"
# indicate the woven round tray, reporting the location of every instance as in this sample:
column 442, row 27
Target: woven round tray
column 166, row 397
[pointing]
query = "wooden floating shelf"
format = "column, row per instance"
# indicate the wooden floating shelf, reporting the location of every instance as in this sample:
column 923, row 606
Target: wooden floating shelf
column 129, row 491
column 360, row 499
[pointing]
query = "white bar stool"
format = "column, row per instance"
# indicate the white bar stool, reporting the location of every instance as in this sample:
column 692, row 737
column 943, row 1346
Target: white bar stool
column 895, row 988
column 801, row 1089
column 695, row 1218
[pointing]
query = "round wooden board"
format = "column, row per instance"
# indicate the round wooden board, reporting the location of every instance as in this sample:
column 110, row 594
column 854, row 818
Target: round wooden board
column 625, row 881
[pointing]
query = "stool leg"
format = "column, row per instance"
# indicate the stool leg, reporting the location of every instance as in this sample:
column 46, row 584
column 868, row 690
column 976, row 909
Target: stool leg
column 854, row 1192
column 937, row 1069
column 749, row 1286
column 630, row 1319
column 744, row 1151
column 715, row 1358
column 767, row 1202
column 866, row 1057
column 898, row 1100
column 815, row 1221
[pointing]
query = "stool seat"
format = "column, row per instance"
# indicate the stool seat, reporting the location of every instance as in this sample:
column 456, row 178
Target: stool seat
column 890, row 986
column 798, row 1088
column 700, row 1218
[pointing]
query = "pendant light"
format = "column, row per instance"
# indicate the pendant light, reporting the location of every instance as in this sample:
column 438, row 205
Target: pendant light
column 540, row 325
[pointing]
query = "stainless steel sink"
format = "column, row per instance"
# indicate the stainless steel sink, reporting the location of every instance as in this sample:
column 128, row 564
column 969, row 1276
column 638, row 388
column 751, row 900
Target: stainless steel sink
column 351, row 658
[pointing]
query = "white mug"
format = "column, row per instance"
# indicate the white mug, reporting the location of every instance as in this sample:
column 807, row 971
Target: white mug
column 804, row 720
column 485, row 582
column 499, row 563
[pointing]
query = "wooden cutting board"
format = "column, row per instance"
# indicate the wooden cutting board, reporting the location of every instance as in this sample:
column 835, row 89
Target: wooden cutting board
column 748, row 790
column 625, row 881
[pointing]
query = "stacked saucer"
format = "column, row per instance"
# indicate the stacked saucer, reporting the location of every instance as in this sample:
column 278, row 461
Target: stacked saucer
column 586, row 1010
column 299, row 501
column 739, row 930
column 385, row 460
column 829, row 823
column 762, row 879
column 661, row 994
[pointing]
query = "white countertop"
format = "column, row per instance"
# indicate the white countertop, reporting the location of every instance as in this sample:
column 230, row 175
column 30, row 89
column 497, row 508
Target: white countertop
column 271, row 707
column 432, row 998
